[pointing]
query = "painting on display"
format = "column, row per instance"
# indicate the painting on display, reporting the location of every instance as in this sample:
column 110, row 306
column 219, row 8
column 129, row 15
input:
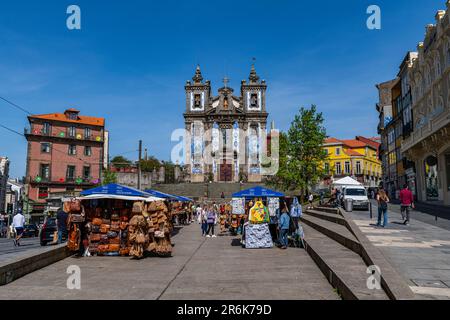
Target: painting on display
column 238, row 205
column 273, row 204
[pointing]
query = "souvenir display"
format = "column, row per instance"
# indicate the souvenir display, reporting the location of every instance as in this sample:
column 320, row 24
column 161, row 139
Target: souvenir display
column 118, row 228
column 258, row 236
column 238, row 205
column 273, row 205
column 259, row 213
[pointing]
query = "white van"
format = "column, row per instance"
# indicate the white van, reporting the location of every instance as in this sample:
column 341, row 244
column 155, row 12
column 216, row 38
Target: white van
column 359, row 196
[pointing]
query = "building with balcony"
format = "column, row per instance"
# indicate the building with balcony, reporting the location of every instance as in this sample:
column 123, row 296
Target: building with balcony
column 66, row 154
column 395, row 123
column 356, row 158
column 428, row 144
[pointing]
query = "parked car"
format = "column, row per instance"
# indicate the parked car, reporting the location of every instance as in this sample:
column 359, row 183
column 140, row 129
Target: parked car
column 47, row 231
column 30, row 230
column 358, row 195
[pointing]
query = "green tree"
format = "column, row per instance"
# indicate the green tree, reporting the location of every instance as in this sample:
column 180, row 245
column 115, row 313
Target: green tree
column 108, row 177
column 301, row 152
column 169, row 171
column 121, row 162
column 150, row 164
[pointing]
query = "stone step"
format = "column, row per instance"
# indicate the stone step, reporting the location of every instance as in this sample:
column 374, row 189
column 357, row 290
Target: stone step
column 332, row 217
column 327, row 209
column 344, row 269
column 334, row 231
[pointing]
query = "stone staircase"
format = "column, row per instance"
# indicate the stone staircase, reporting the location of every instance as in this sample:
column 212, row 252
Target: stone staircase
column 343, row 254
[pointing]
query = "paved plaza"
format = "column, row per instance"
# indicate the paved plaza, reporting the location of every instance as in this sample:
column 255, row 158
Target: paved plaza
column 201, row 268
column 420, row 252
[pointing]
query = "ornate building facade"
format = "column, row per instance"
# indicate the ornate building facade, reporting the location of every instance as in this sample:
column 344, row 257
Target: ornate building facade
column 226, row 132
column 428, row 145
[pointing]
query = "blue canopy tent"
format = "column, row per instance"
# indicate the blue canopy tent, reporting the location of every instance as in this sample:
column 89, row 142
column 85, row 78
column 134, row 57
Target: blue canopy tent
column 184, row 199
column 117, row 191
column 257, row 192
column 160, row 194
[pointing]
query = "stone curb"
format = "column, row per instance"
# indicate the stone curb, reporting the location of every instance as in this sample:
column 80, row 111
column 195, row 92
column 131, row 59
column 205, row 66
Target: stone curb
column 34, row 261
column 391, row 282
column 344, row 291
column 331, row 217
column 351, row 244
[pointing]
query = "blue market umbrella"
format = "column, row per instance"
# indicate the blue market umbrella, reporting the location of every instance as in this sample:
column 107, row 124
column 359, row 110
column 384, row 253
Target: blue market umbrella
column 257, row 192
column 160, row 194
column 115, row 189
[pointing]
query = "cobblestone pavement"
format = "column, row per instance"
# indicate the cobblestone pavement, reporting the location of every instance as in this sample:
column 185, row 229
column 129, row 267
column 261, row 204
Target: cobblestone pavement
column 201, row 268
column 420, row 252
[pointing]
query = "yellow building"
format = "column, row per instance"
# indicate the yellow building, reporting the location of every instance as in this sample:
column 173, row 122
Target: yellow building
column 357, row 158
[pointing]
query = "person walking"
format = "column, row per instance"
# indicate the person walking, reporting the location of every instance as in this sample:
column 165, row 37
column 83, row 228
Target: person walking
column 407, row 202
column 61, row 223
column 211, row 220
column 383, row 200
column 199, row 214
column 204, row 220
column 194, row 212
column 310, row 200
column 283, row 227
column 17, row 224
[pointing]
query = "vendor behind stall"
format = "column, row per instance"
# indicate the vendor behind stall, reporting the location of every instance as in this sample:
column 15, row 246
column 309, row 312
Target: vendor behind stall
column 283, row 227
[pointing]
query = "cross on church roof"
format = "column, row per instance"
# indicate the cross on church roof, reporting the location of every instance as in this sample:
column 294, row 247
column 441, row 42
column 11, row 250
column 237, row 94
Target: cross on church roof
column 225, row 81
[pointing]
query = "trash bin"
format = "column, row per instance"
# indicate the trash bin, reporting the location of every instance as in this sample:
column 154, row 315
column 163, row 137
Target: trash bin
column 349, row 205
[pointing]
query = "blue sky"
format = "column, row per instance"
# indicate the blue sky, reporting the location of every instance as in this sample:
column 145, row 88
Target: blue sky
column 130, row 61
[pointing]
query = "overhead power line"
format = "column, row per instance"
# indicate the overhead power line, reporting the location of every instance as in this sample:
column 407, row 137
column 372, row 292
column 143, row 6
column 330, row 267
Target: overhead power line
column 12, row 130
column 15, row 105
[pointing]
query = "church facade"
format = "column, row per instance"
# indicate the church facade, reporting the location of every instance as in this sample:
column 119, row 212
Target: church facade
column 226, row 133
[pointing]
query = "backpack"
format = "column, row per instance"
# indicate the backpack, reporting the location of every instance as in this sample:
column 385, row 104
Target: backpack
column 383, row 205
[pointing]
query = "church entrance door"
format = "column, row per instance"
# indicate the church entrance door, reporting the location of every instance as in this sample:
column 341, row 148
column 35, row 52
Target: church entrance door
column 225, row 172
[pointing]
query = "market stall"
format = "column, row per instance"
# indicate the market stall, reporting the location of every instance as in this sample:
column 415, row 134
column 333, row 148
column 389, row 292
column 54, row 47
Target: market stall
column 262, row 205
column 115, row 220
column 178, row 205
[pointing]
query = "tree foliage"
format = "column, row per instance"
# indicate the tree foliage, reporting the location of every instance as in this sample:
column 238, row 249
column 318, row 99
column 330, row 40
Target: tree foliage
column 301, row 152
column 150, row 164
column 108, row 177
column 169, row 172
column 121, row 162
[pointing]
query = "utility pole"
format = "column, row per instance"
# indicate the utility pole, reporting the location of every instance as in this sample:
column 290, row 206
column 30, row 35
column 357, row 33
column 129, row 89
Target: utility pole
column 139, row 164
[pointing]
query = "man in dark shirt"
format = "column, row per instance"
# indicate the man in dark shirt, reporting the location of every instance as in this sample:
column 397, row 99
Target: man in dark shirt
column 61, row 222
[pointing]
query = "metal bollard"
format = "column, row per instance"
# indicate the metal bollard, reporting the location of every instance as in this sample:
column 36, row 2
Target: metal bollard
column 370, row 209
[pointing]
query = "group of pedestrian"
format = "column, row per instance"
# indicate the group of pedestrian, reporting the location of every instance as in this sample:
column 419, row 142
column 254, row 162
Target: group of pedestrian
column 207, row 217
column 406, row 202
column 18, row 223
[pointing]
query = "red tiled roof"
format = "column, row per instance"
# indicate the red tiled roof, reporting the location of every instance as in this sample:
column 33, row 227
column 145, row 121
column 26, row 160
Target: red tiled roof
column 359, row 142
column 62, row 117
column 354, row 143
column 351, row 152
column 332, row 140
column 373, row 142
